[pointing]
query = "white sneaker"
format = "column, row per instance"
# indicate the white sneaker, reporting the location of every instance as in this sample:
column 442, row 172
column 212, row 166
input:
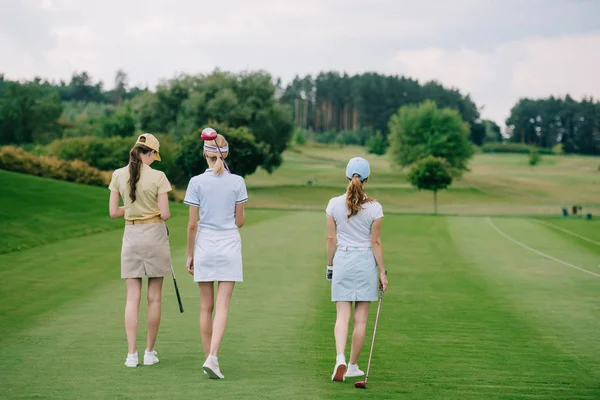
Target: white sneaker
column 150, row 357
column 132, row 360
column 339, row 371
column 353, row 371
column 212, row 369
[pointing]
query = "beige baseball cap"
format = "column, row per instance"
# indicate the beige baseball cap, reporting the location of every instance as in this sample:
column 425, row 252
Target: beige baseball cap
column 149, row 140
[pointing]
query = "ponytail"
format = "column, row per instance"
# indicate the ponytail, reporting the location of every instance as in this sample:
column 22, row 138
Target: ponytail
column 135, row 168
column 355, row 196
column 213, row 156
column 219, row 167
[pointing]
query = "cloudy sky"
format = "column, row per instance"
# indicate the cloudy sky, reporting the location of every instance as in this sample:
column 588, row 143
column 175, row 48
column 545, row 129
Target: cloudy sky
column 496, row 50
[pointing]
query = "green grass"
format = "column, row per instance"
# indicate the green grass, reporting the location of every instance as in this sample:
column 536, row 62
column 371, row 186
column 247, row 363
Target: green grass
column 35, row 211
column 469, row 314
column 498, row 184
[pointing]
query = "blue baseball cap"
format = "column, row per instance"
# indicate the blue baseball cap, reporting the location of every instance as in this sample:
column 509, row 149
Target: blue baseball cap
column 360, row 166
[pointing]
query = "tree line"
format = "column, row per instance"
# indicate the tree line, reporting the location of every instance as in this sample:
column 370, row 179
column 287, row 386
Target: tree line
column 557, row 121
column 326, row 106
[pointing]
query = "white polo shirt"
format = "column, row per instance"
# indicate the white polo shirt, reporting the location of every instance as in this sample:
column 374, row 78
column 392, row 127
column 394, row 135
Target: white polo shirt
column 356, row 231
column 216, row 196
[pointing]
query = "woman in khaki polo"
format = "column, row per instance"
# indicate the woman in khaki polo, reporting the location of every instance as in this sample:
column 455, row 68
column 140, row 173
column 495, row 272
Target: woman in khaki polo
column 145, row 250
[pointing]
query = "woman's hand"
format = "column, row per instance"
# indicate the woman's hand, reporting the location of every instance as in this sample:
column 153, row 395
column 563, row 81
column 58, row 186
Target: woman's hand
column 383, row 282
column 190, row 265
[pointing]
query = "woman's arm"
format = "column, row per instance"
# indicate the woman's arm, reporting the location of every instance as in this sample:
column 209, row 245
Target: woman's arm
column 163, row 205
column 378, row 251
column 331, row 239
column 113, row 205
column 240, row 215
column 192, row 230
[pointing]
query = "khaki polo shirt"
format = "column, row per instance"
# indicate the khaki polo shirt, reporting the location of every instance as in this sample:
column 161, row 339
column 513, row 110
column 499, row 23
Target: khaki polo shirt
column 151, row 183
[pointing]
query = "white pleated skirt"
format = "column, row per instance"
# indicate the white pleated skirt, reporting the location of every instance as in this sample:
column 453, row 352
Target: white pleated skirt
column 218, row 256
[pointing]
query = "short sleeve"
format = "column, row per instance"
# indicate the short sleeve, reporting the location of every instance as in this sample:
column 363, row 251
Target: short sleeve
column 163, row 184
column 377, row 211
column 192, row 195
column 114, row 183
column 329, row 209
column 242, row 192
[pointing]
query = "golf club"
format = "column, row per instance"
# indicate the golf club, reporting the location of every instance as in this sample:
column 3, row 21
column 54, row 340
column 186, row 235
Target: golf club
column 211, row 134
column 175, row 283
column 363, row 384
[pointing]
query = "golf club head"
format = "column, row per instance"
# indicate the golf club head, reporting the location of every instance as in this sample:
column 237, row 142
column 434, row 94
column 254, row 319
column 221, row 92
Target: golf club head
column 360, row 385
column 208, row 134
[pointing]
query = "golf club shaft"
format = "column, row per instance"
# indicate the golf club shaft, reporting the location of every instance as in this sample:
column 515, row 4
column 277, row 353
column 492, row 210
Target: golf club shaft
column 175, row 281
column 177, row 290
column 373, row 340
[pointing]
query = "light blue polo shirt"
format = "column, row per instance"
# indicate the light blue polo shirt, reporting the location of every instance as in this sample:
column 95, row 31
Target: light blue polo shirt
column 216, row 196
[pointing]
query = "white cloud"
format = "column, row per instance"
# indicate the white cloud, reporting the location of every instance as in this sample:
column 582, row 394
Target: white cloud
column 497, row 50
column 536, row 67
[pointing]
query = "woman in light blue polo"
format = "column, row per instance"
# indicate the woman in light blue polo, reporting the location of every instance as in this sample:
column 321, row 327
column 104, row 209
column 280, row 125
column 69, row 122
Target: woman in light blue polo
column 354, row 263
column 214, row 246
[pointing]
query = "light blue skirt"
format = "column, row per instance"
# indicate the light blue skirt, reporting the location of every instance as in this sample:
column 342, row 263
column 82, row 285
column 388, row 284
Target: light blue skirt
column 355, row 275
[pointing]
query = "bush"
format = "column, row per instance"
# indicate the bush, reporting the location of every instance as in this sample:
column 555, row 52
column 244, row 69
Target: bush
column 518, row 148
column 534, row 158
column 18, row 160
column 506, row 148
column 558, row 149
column 357, row 137
column 111, row 153
column 299, row 137
column 377, row 144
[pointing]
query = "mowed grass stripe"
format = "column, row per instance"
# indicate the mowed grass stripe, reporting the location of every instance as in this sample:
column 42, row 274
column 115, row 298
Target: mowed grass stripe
column 449, row 328
column 79, row 347
column 557, row 306
column 445, row 332
column 40, row 280
column 579, row 229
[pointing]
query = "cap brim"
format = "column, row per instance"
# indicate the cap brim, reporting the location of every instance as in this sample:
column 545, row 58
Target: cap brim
column 157, row 158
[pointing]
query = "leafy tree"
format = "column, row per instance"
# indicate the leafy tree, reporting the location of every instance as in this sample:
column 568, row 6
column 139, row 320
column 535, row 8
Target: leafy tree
column 477, row 135
column 338, row 102
column 121, row 123
column 245, row 154
column 28, row 112
column 187, row 103
column 492, row 131
column 120, row 86
column 547, row 122
column 426, row 130
column 534, row 157
column 430, row 173
column 377, row 144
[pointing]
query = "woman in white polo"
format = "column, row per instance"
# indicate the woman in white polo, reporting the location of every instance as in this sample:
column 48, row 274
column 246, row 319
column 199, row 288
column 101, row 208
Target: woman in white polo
column 145, row 250
column 214, row 246
column 356, row 265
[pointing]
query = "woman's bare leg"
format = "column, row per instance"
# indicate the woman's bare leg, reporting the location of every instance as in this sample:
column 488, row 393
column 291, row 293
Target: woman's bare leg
column 132, row 305
column 154, row 310
column 207, row 304
column 361, row 313
column 220, row 322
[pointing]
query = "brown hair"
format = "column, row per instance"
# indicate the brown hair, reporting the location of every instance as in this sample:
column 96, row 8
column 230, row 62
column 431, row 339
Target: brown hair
column 355, row 195
column 135, row 167
column 214, row 155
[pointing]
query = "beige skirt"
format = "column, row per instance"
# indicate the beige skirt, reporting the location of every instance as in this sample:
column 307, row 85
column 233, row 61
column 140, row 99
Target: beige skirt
column 145, row 251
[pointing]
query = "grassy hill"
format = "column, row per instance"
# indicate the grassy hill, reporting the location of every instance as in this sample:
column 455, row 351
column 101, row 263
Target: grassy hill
column 498, row 184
